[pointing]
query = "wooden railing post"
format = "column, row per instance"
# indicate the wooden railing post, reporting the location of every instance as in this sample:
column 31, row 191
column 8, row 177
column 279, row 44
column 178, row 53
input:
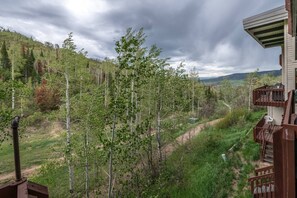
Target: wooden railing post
column 289, row 162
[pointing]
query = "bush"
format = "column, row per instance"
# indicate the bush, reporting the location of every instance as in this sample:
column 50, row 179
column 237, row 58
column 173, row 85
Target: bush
column 47, row 98
column 233, row 118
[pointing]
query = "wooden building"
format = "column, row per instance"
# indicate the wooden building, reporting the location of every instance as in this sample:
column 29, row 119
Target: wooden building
column 277, row 131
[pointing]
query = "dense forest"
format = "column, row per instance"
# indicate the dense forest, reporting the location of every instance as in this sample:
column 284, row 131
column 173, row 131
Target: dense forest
column 114, row 115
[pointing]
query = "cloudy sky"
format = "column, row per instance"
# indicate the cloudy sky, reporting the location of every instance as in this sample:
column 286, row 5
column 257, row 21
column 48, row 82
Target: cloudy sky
column 206, row 34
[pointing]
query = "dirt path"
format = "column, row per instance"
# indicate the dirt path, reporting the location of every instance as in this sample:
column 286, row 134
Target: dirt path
column 25, row 173
column 169, row 148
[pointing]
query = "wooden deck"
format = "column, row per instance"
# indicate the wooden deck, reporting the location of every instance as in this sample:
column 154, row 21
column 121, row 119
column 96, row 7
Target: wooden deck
column 269, row 96
column 266, row 133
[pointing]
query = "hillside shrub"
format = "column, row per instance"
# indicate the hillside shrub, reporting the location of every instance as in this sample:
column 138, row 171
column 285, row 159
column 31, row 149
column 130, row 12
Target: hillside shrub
column 47, row 98
column 233, row 118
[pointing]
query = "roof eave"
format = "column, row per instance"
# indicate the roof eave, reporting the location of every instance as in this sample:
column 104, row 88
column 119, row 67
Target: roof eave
column 269, row 22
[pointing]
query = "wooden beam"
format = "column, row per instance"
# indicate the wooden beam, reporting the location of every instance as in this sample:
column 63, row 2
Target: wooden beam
column 274, row 45
column 269, row 30
column 273, row 33
column 273, row 41
column 270, row 25
column 271, row 36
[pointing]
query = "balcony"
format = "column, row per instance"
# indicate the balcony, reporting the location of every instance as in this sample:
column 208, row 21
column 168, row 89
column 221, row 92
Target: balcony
column 277, row 180
column 269, row 96
column 263, row 131
column 263, row 134
column 262, row 184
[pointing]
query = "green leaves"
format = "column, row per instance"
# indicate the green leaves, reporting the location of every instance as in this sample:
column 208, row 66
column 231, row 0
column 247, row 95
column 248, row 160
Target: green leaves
column 68, row 43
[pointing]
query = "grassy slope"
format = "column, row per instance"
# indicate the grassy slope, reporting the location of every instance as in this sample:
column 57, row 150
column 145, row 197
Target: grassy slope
column 194, row 170
column 198, row 170
column 54, row 174
column 37, row 146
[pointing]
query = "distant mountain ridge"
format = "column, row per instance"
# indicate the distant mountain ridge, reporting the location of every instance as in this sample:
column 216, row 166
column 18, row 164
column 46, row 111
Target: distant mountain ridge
column 238, row 76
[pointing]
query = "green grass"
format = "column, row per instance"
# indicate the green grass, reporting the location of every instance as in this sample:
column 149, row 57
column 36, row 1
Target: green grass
column 36, row 147
column 55, row 177
column 32, row 153
column 198, row 170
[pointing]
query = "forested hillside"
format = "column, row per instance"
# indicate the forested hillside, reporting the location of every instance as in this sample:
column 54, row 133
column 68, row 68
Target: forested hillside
column 238, row 78
column 112, row 117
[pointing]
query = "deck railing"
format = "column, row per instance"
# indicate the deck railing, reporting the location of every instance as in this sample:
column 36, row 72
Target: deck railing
column 289, row 109
column 257, row 129
column 262, row 185
column 269, row 96
column 264, row 170
column 264, row 131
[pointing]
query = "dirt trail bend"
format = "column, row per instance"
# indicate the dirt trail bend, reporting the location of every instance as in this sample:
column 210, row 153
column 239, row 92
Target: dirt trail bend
column 25, row 173
column 184, row 138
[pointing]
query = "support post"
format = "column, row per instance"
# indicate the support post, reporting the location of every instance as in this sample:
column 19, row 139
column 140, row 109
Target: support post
column 14, row 126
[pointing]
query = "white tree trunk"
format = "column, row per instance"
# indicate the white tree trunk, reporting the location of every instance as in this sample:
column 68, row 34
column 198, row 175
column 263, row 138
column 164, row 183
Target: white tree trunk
column 87, row 162
column 68, row 140
column 193, row 98
column 106, row 90
column 229, row 107
column 110, row 186
column 132, row 103
column 12, row 87
column 98, row 77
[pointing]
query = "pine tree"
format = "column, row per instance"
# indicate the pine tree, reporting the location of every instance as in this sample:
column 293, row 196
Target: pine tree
column 28, row 70
column 41, row 54
column 5, row 64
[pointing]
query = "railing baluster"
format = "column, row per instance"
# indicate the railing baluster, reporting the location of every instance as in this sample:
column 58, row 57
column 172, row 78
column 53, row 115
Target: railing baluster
column 262, row 184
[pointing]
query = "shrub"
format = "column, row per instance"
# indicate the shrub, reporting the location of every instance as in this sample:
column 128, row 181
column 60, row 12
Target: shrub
column 47, row 98
column 233, row 118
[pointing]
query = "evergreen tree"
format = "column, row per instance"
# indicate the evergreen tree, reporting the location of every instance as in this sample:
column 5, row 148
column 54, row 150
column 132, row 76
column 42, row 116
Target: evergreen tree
column 41, row 54
column 5, row 64
column 28, row 70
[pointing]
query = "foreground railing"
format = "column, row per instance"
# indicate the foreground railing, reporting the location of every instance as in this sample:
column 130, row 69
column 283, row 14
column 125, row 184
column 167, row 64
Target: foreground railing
column 269, row 96
column 289, row 108
column 262, row 185
column 285, row 152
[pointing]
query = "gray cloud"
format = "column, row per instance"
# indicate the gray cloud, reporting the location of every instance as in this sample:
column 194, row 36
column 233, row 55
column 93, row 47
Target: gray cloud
column 207, row 34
